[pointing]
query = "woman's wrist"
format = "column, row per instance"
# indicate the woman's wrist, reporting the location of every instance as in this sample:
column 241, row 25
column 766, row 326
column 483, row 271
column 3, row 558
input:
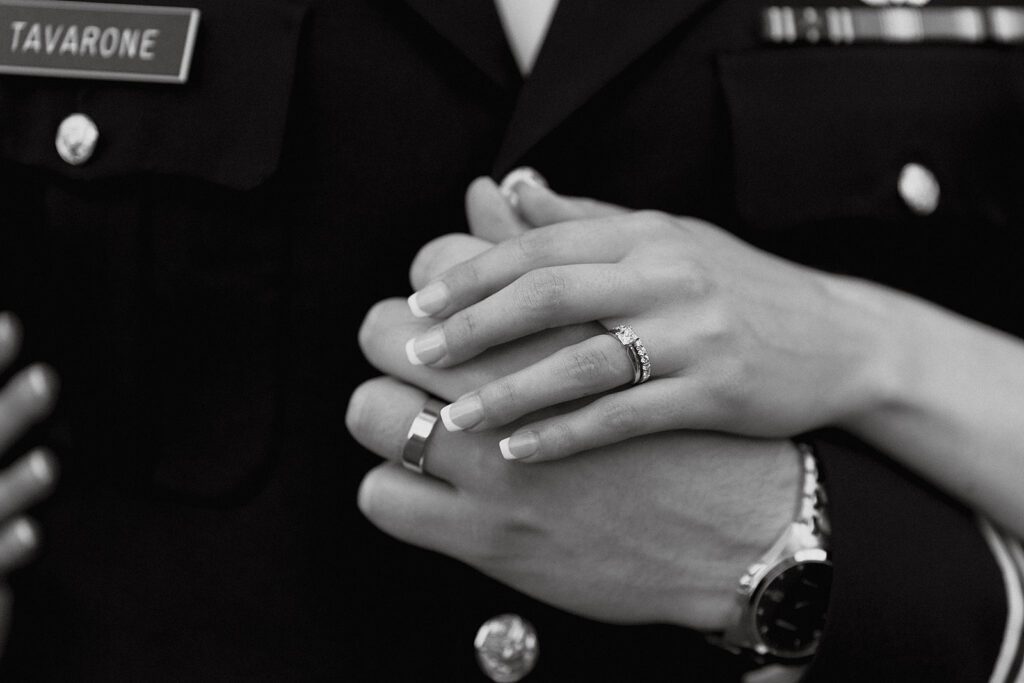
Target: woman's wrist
column 877, row 336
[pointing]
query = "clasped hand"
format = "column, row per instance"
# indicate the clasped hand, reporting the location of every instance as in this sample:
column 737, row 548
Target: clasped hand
column 656, row 528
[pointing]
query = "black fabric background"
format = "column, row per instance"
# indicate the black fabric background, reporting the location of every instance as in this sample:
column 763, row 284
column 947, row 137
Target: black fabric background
column 198, row 285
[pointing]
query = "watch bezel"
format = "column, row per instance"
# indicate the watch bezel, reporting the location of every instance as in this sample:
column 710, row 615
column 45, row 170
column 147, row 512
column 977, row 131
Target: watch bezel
column 759, row 583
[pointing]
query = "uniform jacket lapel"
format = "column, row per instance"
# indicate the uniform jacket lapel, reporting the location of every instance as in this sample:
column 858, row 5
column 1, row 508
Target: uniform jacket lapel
column 588, row 44
column 473, row 26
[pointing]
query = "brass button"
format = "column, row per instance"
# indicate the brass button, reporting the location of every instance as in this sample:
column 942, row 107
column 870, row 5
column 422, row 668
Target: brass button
column 506, row 648
column 76, row 139
column 919, row 189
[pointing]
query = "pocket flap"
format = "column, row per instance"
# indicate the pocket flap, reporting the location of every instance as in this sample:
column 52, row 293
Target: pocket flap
column 224, row 126
column 823, row 133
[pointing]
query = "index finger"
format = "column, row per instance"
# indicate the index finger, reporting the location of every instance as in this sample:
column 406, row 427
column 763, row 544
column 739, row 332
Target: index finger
column 604, row 240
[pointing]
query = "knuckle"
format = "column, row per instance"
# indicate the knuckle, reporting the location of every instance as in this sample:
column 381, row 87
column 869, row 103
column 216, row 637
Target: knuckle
column 717, row 330
column 655, row 222
column 722, row 385
column 489, row 542
column 586, row 367
column 543, row 291
column 693, row 278
column 732, row 375
column 463, row 277
column 500, row 397
column 461, row 328
column 533, row 245
column 559, row 436
column 503, row 538
column 621, row 418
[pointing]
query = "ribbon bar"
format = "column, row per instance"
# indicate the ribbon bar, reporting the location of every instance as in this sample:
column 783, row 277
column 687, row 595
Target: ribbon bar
column 849, row 25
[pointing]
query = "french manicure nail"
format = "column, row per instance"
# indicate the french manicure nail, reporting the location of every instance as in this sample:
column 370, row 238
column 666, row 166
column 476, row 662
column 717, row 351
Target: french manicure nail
column 427, row 348
column 429, row 300
column 463, row 414
column 519, row 446
column 523, row 174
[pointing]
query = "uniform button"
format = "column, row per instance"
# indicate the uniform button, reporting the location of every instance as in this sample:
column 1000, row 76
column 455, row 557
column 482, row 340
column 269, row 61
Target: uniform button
column 76, row 139
column 506, row 648
column 919, row 189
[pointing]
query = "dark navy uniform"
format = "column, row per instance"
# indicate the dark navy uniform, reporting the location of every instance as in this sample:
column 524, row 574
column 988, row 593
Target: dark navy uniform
column 198, row 282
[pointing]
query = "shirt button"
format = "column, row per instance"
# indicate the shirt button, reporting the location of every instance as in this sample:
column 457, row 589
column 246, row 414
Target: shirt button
column 76, row 139
column 919, row 189
column 506, row 648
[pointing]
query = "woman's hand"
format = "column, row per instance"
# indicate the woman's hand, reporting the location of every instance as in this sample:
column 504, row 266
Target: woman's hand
column 739, row 340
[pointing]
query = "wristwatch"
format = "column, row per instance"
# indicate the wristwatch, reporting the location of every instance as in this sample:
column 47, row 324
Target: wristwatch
column 784, row 595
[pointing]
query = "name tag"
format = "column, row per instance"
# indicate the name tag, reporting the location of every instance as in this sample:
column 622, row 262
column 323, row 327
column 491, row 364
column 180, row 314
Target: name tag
column 93, row 40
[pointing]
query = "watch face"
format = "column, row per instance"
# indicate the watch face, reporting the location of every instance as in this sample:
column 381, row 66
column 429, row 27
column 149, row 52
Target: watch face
column 790, row 614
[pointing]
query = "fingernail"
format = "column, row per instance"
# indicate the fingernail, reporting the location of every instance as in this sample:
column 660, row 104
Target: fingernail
column 38, row 381
column 427, row 348
column 463, row 414
column 25, row 532
column 42, row 466
column 429, row 300
column 523, row 174
column 519, row 446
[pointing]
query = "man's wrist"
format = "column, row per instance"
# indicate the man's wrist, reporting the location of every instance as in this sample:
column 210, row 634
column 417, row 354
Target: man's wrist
column 783, row 596
column 761, row 516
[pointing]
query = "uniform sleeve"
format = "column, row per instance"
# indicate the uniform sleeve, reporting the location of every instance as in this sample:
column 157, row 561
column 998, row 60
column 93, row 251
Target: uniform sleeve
column 923, row 590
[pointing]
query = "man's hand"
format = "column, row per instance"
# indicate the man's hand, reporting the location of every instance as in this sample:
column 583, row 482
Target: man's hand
column 656, row 529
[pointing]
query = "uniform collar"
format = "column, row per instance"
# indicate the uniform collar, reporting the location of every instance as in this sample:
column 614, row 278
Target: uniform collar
column 588, row 43
column 473, row 26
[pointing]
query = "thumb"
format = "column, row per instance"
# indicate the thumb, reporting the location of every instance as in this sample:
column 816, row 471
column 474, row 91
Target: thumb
column 490, row 216
column 537, row 205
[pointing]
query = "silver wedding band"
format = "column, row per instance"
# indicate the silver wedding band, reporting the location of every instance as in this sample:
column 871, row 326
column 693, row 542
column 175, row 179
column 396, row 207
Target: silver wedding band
column 415, row 450
column 636, row 351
